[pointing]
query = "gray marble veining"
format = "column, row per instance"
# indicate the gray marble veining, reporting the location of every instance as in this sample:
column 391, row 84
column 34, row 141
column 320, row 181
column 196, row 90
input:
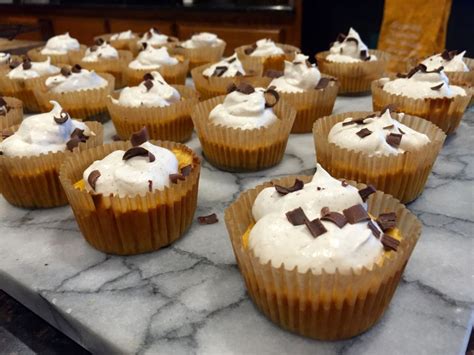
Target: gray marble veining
column 189, row 298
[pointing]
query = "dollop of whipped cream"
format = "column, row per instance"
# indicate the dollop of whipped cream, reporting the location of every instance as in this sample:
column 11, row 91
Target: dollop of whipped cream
column 298, row 76
column 75, row 80
column 60, row 44
column 102, row 50
column 375, row 143
column 133, row 176
column 227, row 67
column 349, row 49
column 41, row 134
column 273, row 238
column 153, row 37
column 203, row 39
column 29, row 70
column 266, row 47
column 244, row 111
column 421, row 83
column 449, row 60
column 122, row 35
column 152, row 92
column 4, row 58
column 152, row 58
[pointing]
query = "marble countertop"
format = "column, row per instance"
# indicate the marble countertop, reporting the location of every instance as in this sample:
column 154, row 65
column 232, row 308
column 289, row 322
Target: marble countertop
column 190, row 297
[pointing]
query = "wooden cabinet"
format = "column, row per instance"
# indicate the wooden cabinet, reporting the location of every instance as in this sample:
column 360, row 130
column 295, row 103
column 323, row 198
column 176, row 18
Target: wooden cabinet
column 84, row 29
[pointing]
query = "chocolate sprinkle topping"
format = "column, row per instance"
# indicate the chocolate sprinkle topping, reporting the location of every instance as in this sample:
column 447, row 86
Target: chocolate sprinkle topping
column 27, row 64
column 210, row 219
column 364, row 132
column 245, row 88
column 437, row 87
column 272, row 73
column 63, row 117
column 250, row 49
column 219, row 71
column 148, row 76
column 315, row 227
column 374, row 229
column 72, row 143
column 394, row 139
column 389, row 242
column 387, row 221
column 92, row 178
column 76, row 68
column 296, row 217
column 65, row 71
column 400, row 130
column 335, row 217
column 356, row 214
column 271, row 97
column 139, row 137
column 175, row 177
column 323, row 83
column 282, row 190
column 448, row 55
column 231, row 60
column 138, row 152
column 344, row 183
column 148, row 84
column 366, row 192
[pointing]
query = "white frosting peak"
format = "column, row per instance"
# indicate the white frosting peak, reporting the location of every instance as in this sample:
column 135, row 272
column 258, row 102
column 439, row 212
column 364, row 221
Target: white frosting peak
column 122, row 35
column 456, row 63
column 60, row 44
column 232, row 64
column 152, row 58
column 265, row 48
column 203, row 39
column 4, row 58
column 103, row 51
column 349, row 49
column 154, row 38
column 33, row 70
column 40, row 134
column 82, row 80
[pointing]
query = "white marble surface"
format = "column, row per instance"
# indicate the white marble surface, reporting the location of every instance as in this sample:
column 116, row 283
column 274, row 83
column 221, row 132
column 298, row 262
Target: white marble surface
column 189, row 298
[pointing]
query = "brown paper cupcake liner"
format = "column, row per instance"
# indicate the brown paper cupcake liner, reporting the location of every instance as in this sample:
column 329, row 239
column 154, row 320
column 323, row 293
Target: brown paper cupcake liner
column 199, row 56
column 33, row 182
column 115, row 67
column 171, row 123
column 89, row 104
column 14, row 116
column 404, row 175
column 311, row 105
column 213, row 86
column 69, row 58
column 444, row 112
column 275, row 62
column 173, row 74
column 326, row 306
column 130, row 225
column 234, row 149
column 354, row 78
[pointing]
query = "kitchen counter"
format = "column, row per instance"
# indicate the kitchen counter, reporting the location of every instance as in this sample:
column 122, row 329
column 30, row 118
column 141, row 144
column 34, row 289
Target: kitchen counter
column 190, row 296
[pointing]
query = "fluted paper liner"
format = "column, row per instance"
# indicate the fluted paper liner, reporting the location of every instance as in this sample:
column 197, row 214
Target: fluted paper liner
column 171, row 122
column 14, row 116
column 326, row 306
column 311, row 105
column 124, row 44
column 200, row 56
column 464, row 78
column 115, row 67
column 264, row 63
column 130, row 225
column 213, row 86
column 354, row 78
column 88, row 104
column 173, row 74
column 404, row 175
column 33, row 182
column 36, row 56
column 234, row 149
column 444, row 112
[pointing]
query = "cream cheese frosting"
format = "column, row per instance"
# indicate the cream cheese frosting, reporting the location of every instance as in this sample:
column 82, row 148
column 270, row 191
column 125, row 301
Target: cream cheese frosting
column 420, row 83
column 349, row 136
column 41, row 134
column 203, row 39
column 448, row 60
column 349, row 49
column 122, row 35
column 29, row 70
column 266, row 47
column 152, row 58
column 101, row 51
column 60, row 44
column 153, row 92
column 137, row 175
column 153, row 37
column 75, row 80
column 244, row 111
column 227, row 67
column 298, row 76
column 273, row 238
column 4, row 58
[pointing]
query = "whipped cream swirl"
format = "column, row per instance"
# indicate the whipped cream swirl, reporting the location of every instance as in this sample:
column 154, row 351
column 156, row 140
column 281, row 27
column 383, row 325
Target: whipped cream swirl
column 226, row 68
column 60, row 44
column 450, row 61
column 152, row 58
column 153, row 37
column 122, row 35
column 29, row 70
column 349, row 49
column 273, row 238
column 75, row 80
column 203, row 39
column 266, row 48
column 102, row 50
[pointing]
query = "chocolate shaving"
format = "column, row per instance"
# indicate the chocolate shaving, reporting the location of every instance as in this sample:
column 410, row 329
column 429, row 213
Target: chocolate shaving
column 245, row 88
column 340, row 37
column 448, row 55
column 389, row 242
column 323, row 83
column 65, row 71
column 437, row 87
column 315, row 227
column 400, row 130
column 272, row 73
column 138, row 152
column 394, row 139
column 356, row 214
column 250, row 49
column 150, row 185
column 144, row 45
column 148, row 76
column 139, row 137
column 387, row 221
column 73, row 143
column 335, row 217
column 271, row 97
column 282, row 190
column 219, row 71
column 92, row 178
column 364, row 132
column 374, row 229
column 63, row 117
column 231, row 88
column 325, row 211
column 389, row 126
column 210, row 219
column 76, row 68
column 99, row 41
column 366, row 192
column 27, row 64
column 148, row 84
column 296, row 217
column 231, row 60
column 364, row 55
column 79, row 133
column 344, row 183
column 175, row 177
column 186, row 170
